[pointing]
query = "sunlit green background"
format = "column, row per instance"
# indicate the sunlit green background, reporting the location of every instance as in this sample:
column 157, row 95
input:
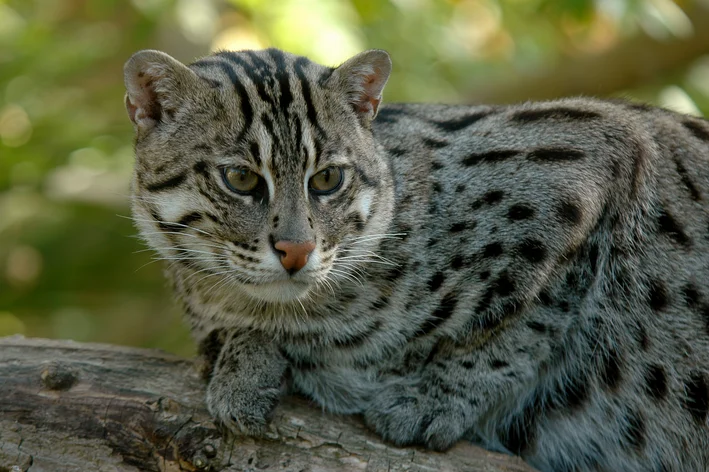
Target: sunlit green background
column 70, row 266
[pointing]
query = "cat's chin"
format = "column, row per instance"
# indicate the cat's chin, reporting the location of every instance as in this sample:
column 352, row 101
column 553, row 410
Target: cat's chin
column 278, row 292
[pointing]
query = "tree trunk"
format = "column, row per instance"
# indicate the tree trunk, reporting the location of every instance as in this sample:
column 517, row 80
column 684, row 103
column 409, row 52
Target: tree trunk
column 67, row 406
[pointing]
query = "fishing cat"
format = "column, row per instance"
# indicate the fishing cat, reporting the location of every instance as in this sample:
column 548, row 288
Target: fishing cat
column 531, row 277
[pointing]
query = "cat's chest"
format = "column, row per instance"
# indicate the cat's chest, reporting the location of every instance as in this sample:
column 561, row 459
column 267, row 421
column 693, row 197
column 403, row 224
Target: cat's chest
column 346, row 379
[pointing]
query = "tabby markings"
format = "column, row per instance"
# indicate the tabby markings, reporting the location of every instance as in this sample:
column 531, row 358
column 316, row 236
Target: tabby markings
column 684, row 176
column 697, row 129
column 656, row 382
column 697, row 397
column 168, row 184
column 457, row 124
column 540, row 155
column 558, row 113
column 519, row 435
column 669, row 226
column 442, row 313
column 634, row 433
column 555, row 155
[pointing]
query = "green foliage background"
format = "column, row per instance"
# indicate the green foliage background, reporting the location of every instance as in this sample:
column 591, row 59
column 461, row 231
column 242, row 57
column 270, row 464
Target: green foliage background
column 70, row 265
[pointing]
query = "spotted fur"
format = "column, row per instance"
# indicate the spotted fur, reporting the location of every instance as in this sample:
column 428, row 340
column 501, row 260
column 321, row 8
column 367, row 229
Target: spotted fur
column 532, row 277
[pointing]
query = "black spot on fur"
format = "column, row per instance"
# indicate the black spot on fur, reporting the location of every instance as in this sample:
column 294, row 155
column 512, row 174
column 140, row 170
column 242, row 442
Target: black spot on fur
column 490, row 156
column 437, row 187
column 669, row 226
column 656, row 382
column 593, row 257
column 698, row 129
column 498, row 364
column 537, row 326
column 492, row 250
column 395, row 273
column 441, row 314
column 493, row 196
column 398, row 152
column 504, row 285
column 359, row 338
column 545, row 299
column 463, row 122
column 634, row 433
column 557, row 113
column 697, row 397
column 389, row 115
column 610, row 372
column 209, row 348
column 457, row 227
column 460, row 188
column 435, row 165
column 519, row 435
column 657, row 295
column 436, row 281
column 484, row 275
column 457, row 262
column 520, row 212
column 686, row 180
column 574, row 393
column 642, row 338
column 692, row 298
column 435, row 143
column 555, row 155
column 533, row 250
column 485, row 300
column 570, row 212
column 380, row 303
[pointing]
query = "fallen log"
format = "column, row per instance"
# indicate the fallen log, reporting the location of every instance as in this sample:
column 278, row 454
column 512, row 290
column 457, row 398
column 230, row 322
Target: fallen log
column 67, row 406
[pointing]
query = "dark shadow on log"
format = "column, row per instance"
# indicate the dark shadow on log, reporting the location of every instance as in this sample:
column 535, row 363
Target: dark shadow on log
column 67, row 406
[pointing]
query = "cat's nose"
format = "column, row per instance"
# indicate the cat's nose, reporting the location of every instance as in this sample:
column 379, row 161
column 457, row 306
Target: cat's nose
column 294, row 255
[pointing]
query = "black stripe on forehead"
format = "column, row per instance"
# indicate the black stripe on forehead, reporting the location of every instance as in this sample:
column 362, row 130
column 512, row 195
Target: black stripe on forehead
column 247, row 110
column 299, row 66
column 283, row 77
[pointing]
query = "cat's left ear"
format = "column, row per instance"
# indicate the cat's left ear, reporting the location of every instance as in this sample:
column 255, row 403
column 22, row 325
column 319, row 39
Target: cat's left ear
column 362, row 79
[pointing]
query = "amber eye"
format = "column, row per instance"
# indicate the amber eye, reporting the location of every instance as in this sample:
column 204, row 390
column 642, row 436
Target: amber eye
column 240, row 179
column 326, row 181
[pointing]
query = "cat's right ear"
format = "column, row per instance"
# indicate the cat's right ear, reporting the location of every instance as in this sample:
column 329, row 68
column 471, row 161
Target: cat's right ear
column 362, row 78
column 154, row 83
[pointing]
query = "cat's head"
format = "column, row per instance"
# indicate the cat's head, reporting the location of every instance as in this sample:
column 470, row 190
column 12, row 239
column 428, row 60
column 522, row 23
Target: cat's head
column 257, row 170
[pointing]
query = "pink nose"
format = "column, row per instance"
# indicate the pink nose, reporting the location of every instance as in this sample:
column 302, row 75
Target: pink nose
column 294, row 255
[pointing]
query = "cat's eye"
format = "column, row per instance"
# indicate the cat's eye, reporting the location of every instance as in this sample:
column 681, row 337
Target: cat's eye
column 326, row 181
column 240, row 179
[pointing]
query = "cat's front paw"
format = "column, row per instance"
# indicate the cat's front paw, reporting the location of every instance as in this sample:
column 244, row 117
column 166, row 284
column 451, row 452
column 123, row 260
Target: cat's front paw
column 239, row 405
column 405, row 417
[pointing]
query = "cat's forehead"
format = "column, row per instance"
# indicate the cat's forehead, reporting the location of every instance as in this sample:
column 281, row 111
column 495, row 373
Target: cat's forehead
column 271, row 72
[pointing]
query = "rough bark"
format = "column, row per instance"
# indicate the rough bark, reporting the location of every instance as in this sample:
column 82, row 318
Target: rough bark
column 67, row 406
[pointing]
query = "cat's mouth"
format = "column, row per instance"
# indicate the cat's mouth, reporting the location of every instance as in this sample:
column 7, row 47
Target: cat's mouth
column 279, row 291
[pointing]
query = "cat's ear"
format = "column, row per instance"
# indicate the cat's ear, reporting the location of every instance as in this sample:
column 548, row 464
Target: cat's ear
column 154, row 83
column 362, row 79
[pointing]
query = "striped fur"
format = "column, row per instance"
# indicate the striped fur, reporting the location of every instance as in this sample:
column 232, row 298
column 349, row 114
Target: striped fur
column 532, row 277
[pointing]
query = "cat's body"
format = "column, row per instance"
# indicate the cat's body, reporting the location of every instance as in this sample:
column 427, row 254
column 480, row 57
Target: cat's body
column 532, row 277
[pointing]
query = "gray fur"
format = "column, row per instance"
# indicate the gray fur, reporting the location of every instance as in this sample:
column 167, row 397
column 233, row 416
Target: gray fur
column 530, row 277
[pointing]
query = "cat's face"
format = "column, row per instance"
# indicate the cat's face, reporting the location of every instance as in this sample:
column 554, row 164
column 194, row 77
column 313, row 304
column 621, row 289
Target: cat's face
column 257, row 170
